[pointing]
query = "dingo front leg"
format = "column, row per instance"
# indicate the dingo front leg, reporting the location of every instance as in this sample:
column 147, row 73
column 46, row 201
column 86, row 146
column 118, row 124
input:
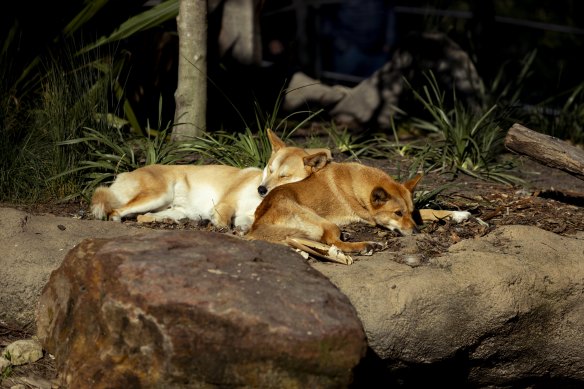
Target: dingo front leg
column 320, row 250
column 222, row 215
column 331, row 236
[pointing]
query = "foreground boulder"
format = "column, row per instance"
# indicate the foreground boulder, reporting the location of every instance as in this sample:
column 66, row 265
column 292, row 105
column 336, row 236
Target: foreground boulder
column 503, row 310
column 190, row 309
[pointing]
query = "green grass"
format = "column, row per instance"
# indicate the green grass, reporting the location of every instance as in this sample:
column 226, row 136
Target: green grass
column 7, row 371
column 566, row 121
column 460, row 140
column 343, row 141
column 113, row 151
column 71, row 96
column 250, row 148
column 69, row 142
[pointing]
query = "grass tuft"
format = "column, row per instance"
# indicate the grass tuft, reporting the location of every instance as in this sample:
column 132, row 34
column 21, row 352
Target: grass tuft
column 460, row 141
column 111, row 153
column 72, row 93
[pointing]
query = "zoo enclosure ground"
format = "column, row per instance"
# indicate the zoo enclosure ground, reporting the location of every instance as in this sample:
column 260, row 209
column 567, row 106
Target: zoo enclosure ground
column 550, row 199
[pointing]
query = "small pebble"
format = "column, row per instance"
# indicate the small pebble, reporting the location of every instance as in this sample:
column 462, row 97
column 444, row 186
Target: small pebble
column 413, row 260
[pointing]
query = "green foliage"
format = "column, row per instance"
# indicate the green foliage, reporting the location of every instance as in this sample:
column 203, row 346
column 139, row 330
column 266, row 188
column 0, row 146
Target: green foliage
column 460, row 140
column 7, row 371
column 71, row 134
column 52, row 93
column 17, row 173
column 561, row 115
column 346, row 142
column 508, row 85
column 160, row 13
column 21, row 47
column 243, row 149
column 247, row 149
column 73, row 94
column 113, row 152
column 451, row 141
column 566, row 122
column 72, row 98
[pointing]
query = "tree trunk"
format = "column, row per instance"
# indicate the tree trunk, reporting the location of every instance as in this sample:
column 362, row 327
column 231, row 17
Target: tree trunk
column 191, row 93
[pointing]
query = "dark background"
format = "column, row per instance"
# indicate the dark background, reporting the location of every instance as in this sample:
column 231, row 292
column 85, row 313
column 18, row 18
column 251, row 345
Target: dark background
column 497, row 34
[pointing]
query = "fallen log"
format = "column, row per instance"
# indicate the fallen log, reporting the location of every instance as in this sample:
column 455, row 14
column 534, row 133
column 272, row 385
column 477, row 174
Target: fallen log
column 546, row 149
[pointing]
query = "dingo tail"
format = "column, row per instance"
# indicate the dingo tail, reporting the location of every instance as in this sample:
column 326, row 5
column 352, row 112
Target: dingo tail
column 102, row 203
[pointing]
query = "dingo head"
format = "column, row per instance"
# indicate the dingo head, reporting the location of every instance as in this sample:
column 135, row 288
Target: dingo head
column 391, row 205
column 290, row 164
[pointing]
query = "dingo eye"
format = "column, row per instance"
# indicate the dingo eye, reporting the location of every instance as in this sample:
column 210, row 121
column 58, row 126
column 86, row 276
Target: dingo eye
column 284, row 176
column 399, row 213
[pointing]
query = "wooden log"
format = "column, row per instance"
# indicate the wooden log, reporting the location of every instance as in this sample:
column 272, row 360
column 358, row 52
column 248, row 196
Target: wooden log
column 546, row 149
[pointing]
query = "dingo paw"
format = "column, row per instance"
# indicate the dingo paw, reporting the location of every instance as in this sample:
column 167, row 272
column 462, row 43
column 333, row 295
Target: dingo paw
column 145, row 218
column 336, row 255
column 372, row 247
column 460, row 216
column 242, row 230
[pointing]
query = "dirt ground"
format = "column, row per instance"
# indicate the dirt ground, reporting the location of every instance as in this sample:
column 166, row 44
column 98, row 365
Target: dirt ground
column 550, row 199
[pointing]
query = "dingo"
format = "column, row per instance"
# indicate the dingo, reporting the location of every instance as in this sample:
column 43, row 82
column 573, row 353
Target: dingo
column 312, row 210
column 225, row 195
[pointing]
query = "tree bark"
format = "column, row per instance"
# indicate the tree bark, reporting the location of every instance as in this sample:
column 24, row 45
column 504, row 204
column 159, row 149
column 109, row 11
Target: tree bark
column 191, row 93
column 546, row 149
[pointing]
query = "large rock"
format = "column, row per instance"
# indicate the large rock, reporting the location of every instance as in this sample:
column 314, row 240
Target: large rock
column 190, row 309
column 501, row 310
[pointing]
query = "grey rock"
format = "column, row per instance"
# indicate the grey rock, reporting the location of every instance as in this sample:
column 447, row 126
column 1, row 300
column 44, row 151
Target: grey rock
column 23, row 351
column 32, row 247
column 504, row 308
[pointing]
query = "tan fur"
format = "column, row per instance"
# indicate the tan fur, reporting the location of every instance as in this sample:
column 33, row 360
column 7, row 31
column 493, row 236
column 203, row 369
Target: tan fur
column 225, row 195
column 286, row 164
column 336, row 195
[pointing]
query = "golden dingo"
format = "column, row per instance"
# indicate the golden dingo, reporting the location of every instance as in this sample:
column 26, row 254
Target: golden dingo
column 335, row 195
column 225, row 195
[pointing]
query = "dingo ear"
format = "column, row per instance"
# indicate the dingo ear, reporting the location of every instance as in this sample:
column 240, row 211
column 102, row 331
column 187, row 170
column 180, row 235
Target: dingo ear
column 315, row 151
column 276, row 142
column 316, row 161
column 411, row 184
column 379, row 197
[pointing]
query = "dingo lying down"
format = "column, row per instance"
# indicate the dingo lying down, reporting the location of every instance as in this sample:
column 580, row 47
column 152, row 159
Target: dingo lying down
column 225, row 195
column 310, row 211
